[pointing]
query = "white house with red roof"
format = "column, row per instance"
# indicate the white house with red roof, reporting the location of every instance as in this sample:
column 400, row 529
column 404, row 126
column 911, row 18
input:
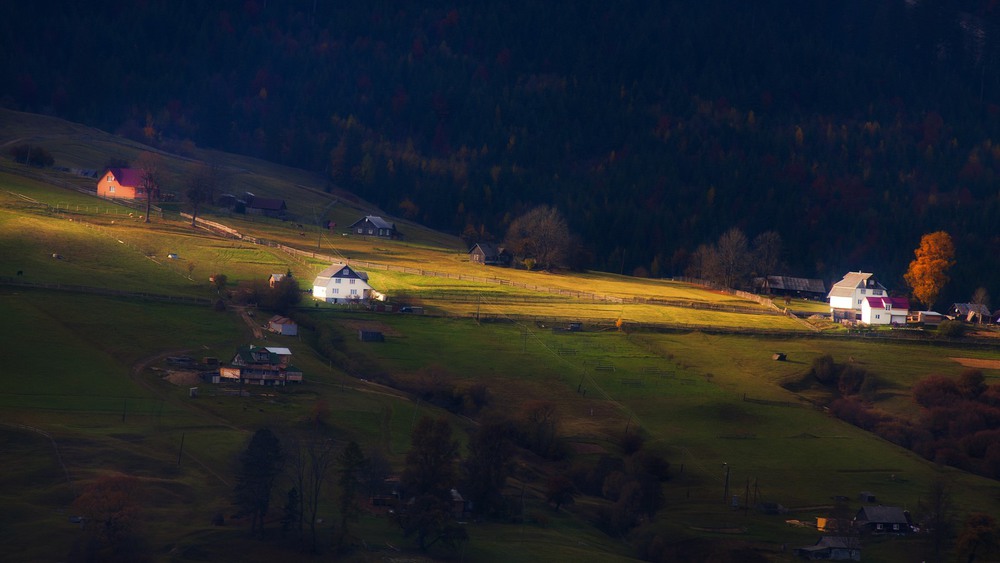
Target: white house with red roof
column 885, row 310
column 123, row 183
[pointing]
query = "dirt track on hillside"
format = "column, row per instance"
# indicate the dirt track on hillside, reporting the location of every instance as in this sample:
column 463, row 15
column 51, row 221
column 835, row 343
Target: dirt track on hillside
column 978, row 363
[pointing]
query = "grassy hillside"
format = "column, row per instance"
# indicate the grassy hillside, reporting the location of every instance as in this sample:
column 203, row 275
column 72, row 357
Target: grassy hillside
column 88, row 387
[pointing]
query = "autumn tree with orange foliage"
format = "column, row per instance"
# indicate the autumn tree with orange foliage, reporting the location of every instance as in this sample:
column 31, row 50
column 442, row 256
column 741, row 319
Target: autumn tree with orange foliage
column 110, row 510
column 928, row 272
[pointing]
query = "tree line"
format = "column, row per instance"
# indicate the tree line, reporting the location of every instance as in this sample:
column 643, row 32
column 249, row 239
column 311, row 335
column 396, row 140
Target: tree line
column 860, row 129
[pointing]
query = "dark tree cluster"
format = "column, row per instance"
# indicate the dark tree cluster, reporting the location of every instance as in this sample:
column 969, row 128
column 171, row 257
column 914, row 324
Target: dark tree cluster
column 959, row 423
column 847, row 128
column 31, row 155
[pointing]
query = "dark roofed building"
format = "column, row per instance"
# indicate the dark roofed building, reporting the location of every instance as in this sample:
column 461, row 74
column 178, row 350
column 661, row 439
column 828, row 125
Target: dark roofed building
column 373, row 225
column 806, row 288
column 970, row 312
column 833, row 548
column 260, row 365
column 489, row 254
column 269, row 207
column 883, row 520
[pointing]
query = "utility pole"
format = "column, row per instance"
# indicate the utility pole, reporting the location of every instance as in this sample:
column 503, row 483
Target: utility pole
column 725, row 494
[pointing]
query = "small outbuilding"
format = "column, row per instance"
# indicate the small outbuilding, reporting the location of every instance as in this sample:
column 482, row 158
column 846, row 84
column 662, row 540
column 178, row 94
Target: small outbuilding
column 370, row 336
column 835, row 548
column 283, row 326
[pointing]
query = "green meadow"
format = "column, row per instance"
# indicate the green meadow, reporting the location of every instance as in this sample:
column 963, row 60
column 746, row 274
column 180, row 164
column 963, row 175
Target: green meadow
column 87, row 390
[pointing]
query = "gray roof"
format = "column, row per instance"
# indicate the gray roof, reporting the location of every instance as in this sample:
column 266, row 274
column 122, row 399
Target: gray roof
column 377, row 221
column 883, row 514
column 852, row 281
column 334, row 269
column 796, row 284
column 966, row 308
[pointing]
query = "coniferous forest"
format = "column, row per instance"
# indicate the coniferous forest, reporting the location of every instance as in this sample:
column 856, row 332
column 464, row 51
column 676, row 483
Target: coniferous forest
column 849, row 128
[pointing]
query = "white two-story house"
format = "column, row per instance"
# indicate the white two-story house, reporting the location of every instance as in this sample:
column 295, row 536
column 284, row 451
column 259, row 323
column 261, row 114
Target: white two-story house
column 341, row 284
column 848, row 295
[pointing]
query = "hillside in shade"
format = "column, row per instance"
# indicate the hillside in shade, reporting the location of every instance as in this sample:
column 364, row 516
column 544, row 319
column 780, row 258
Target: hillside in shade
column 849, row 128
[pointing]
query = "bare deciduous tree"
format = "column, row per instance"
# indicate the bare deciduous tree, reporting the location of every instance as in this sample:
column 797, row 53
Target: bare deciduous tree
column 542, row 235
column 152, row 177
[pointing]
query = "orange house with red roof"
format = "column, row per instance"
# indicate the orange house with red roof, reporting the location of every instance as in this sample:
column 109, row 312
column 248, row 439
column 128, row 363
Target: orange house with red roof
column 123, row 183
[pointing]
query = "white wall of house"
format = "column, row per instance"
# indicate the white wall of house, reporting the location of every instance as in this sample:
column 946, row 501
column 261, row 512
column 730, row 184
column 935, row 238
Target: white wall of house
column 342, row 290
column 881, row 315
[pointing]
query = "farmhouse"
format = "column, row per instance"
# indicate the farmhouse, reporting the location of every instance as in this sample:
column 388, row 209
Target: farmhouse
column 373, row 225
column 123, row 183
column 340, row 284
column 274, row 280
column 847, row 296
column 804, row 288
column 883, row 520
column 489, row 254
column 884, row 310
column 268, row 207
column 256, row 365
column 283, row 326
column 834, row 548
column 970, row 312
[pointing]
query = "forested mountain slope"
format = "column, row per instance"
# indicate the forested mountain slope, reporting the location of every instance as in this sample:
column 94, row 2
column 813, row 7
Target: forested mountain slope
column 849, row 128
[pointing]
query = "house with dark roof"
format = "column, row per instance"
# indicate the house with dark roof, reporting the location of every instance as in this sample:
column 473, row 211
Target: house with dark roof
column 259, row 365
column 804, row 288
column 266, row 206
column 970, row 312
column 883, row 520
column 885, row 310
column 123, row 183
column 339, row 283
column 848, row 295
column 373, row 225
column 489, row 254
column 834, row 548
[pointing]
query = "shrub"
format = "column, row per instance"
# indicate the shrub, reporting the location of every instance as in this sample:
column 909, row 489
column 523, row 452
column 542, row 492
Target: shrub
column 936, row 391
column 951, row 329
column 971, row 383
column 824, row 369
column 850, row 380
column 32, row 155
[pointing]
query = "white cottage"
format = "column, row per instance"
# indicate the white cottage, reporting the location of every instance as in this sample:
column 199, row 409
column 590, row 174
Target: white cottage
column 340, row 283
column 885, row 310
column 848, row 295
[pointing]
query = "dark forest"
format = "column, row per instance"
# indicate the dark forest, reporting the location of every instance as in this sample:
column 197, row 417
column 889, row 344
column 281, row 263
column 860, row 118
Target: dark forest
column 849, row 128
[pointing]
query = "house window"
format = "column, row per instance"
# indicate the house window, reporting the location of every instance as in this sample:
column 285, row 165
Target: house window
column 370, row 231
column 336, row 291
column 859, row 301
column 111, row 189
column 878, row 526
column 360, row 230
column 878, row 317
column 353, row 280
column 895, row 527
column 876, row 292
column 338, row 280
column 862, row 292
column 354, row 292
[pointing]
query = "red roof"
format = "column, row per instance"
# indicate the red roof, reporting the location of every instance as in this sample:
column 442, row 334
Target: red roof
column 893, row 302
column 131, row 177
